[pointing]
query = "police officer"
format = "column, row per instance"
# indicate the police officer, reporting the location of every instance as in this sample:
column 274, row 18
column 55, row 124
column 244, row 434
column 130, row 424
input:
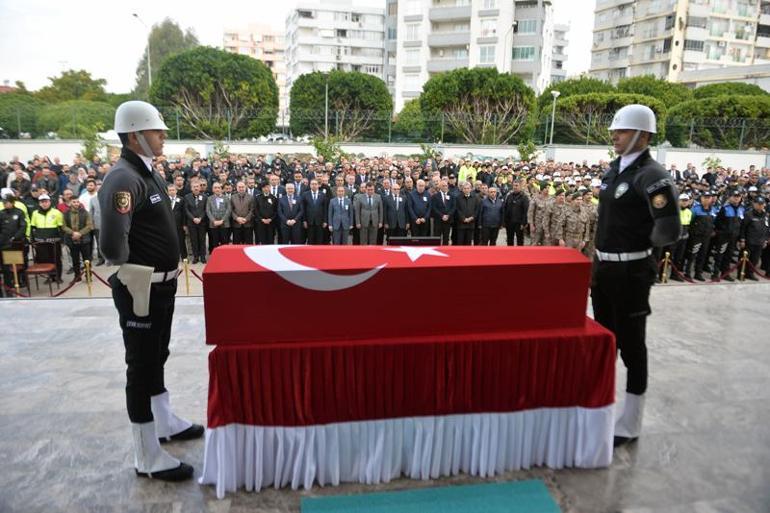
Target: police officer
column 139, row 234
column 701, row 230
column 728, row 227
column 637, row 211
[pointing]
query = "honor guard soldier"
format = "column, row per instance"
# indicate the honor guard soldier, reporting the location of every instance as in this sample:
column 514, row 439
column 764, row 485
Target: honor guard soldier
column 139, row 234
column 637, row 211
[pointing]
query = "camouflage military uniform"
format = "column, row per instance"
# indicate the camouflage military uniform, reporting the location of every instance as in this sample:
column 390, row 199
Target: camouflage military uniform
column 538, row 207
column 576, row 227
column 593, row 214
column 555, row 217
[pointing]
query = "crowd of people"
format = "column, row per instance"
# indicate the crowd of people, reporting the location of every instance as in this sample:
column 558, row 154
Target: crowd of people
column 241, row 199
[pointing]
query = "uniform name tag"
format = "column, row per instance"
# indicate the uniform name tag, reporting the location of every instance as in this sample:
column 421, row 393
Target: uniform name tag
column 346, row 207
column 155, row 198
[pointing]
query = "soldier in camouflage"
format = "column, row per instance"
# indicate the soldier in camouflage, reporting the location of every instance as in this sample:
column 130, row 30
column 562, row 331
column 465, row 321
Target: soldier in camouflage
column 592, row 211
column 536, row 216
column 554, row 220
column 576, row 223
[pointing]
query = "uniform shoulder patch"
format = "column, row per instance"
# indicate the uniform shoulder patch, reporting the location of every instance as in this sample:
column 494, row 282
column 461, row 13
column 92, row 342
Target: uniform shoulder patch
column 659, row 201
column 122, row 202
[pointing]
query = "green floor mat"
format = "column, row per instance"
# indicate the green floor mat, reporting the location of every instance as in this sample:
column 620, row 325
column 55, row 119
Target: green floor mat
column 510, row 497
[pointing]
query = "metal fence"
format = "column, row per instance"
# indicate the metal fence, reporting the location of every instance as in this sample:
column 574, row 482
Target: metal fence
column 450, row 127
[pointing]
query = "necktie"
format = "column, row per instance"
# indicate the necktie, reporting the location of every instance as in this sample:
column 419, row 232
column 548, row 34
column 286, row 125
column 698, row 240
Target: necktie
column 370, row 202
column 274, row 192
column 443, row 198
column 314, row 196
column 398, row 202
column 340, row 202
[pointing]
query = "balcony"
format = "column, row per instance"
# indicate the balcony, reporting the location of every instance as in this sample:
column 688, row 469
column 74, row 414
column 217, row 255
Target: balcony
column 764, row 19
column 449, row 38
column 696, row 33
column 440, row 65
column 763, row 41
column 449, row 13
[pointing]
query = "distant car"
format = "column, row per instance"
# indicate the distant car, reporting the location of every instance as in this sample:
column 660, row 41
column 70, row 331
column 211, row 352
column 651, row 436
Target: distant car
column 277, row 137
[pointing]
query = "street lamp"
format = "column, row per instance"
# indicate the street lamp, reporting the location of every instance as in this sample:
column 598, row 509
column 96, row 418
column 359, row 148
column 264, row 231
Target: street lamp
column 555, row 95
column 326, row 110
column 149, row 64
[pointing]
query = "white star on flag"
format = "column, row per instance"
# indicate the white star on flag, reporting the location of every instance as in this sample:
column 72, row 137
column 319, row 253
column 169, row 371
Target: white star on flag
column 415, row 252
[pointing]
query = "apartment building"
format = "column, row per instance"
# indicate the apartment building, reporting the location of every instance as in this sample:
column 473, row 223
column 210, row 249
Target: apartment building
column 326, row 36
column 559, row 55
column 668, row 37
column 266, row 44
column 425, row 37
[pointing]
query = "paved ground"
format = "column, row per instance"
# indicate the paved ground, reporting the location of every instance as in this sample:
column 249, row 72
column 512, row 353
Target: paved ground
column 65, row 440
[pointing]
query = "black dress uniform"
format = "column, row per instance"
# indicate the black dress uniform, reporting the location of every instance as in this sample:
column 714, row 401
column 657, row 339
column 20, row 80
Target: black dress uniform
column 138, row 228
column 637, row 210
column 195, row 208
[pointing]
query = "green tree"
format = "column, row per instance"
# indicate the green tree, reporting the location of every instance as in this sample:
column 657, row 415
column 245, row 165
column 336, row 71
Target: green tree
column 585, row 118
column 728, row 89
column 360, row 105
column 19, row 113
column 570, row 87
column 165, row 40
column 216, row 94
column 76, row 119
column 410, row 123
column 480, row 106
column 73, row 85
column 667, row 92
column 115, row 99
column 725, row 122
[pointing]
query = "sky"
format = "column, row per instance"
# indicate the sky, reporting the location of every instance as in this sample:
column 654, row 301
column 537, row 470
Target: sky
column 41, row 38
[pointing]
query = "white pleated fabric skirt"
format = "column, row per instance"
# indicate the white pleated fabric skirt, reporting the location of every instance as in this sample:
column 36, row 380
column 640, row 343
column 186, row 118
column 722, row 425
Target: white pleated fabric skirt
column 484, row 444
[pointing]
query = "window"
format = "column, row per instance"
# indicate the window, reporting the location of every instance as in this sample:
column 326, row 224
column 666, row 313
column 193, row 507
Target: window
column 412, row 57
column 486, row 54
column 490, row 4
column 342, row 33
column 488, row 28
column 412, row 31
column 392, row 33
column 462, row 27
column 373, row 69
column 412, row 82
column 305, row 14
column 341, row 16
column 355, row 17
column 526, row 27
column 523, row 53
column 697, row 21
column 695, row 46
column 393, row 9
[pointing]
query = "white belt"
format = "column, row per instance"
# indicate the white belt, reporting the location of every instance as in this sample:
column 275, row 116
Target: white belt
column 622, row 257
column 166, row 276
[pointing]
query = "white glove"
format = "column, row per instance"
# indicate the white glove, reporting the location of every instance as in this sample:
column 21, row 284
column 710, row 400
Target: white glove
column 137, row 279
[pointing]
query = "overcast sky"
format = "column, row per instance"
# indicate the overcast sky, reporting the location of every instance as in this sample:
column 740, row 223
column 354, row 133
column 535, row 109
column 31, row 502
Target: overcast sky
column 40, row 38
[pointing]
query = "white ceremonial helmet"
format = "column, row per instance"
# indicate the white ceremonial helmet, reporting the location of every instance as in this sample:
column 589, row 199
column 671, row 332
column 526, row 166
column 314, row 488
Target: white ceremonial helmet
column 135, row 115
column 635, row 117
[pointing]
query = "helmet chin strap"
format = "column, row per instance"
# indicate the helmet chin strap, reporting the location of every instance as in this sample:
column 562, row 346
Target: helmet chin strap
column 146, row 147
column 632, row 144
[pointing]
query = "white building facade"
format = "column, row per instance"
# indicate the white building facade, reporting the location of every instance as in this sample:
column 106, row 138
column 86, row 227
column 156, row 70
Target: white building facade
column 665, row 38
column 267, row 45
column 326, row 36
column 559, row 54
column 425, row 37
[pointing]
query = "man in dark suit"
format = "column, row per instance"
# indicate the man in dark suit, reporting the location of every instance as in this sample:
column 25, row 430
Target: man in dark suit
column 396, row 214
column 195, row 210
column 315, row 213
column 340, row 217
column 442, row 207
column 266, row 212
column 419, row 210
column 180, row 218
column 290, row 216
column 278, row 191
column 467, row 213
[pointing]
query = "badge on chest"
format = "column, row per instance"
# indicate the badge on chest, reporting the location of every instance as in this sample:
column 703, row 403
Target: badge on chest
column 621, row 189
